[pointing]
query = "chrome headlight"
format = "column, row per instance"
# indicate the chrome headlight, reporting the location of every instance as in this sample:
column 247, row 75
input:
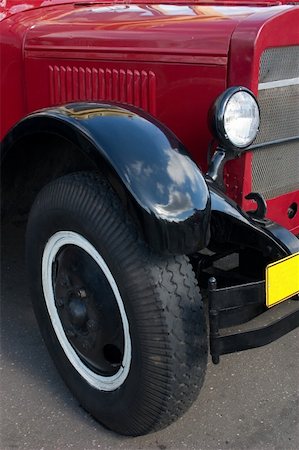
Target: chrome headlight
column 236, row 118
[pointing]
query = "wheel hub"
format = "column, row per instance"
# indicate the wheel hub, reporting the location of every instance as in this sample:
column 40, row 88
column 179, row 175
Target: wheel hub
column 88, row 310
column 78, row 312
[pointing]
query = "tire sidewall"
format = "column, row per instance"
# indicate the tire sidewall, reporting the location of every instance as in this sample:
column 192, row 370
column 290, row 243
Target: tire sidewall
column 110, row 402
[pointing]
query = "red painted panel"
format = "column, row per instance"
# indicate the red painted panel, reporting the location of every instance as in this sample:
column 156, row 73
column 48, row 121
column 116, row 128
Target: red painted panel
column 251, row 37
column 176, row 94
column 278, row 211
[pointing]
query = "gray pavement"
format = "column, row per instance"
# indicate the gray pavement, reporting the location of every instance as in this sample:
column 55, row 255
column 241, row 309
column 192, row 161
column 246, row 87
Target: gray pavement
column 249, row 401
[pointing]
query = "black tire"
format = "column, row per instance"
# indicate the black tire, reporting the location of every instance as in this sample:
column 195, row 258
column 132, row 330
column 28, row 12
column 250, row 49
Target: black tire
column 161, row 300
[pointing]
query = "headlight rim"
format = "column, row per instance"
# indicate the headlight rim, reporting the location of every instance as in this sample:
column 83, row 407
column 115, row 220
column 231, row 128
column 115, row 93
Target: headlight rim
column 217, row 118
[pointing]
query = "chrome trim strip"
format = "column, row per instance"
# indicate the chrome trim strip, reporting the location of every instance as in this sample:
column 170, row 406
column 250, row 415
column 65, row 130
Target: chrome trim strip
column 278, row 83
column 277, row 141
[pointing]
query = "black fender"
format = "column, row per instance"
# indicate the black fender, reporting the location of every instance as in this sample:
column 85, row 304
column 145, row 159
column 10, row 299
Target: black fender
column 233, row 227
column 148, row 166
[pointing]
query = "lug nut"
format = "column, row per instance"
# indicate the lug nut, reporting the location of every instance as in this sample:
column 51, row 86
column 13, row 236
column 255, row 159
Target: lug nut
column 59, row 302
column 82, row 293
column 70, row 333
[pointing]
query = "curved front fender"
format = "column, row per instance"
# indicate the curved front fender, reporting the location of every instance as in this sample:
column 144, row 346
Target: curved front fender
column 165, row 188
column 232, row 227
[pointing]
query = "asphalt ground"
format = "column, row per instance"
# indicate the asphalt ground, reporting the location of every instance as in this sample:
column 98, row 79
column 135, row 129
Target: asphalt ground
column 249, row 401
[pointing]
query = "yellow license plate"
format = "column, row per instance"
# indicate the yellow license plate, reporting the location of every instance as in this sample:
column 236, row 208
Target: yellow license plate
column 282, row 279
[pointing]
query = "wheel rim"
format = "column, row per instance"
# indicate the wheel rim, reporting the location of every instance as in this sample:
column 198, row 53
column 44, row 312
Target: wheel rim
column 86, row 310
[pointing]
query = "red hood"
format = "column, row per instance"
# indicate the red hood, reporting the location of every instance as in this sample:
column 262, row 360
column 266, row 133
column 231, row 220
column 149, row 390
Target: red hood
column 11, row 7
column 179, row 32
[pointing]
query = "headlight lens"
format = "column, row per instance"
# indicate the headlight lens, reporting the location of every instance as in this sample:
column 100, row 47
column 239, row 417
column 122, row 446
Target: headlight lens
column 236, row 118
column 241, row 119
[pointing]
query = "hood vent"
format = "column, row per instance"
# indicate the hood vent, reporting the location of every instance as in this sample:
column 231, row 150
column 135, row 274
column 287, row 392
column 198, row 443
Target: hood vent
column 76, row 84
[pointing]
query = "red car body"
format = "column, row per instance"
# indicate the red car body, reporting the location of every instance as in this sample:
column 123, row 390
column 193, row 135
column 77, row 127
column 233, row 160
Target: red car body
column 171, row 60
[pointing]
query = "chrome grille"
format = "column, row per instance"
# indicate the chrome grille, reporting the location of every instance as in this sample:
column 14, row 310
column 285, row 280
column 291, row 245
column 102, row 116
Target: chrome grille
column 275, row 167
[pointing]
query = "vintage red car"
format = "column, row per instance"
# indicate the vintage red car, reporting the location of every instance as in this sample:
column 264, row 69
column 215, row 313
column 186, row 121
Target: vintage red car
column 153, row 150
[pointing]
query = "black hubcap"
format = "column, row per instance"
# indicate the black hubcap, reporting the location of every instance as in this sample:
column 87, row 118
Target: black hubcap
column 88, row 310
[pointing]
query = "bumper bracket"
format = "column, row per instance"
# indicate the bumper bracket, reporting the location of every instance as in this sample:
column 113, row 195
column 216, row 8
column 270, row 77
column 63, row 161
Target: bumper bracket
column 236, row 302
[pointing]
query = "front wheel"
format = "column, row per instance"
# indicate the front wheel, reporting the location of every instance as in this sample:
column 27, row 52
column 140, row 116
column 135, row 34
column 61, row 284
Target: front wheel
column 125, row 327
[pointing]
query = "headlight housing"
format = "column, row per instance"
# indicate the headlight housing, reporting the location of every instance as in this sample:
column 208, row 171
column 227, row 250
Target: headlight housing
column 236, row 118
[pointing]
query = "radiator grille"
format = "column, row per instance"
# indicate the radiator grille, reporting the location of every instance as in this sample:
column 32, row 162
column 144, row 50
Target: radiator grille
column 279, row 113
column 275, row 168
column 279, row 63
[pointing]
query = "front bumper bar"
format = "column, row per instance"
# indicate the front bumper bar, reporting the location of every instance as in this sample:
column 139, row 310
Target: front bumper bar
column 238, row 304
